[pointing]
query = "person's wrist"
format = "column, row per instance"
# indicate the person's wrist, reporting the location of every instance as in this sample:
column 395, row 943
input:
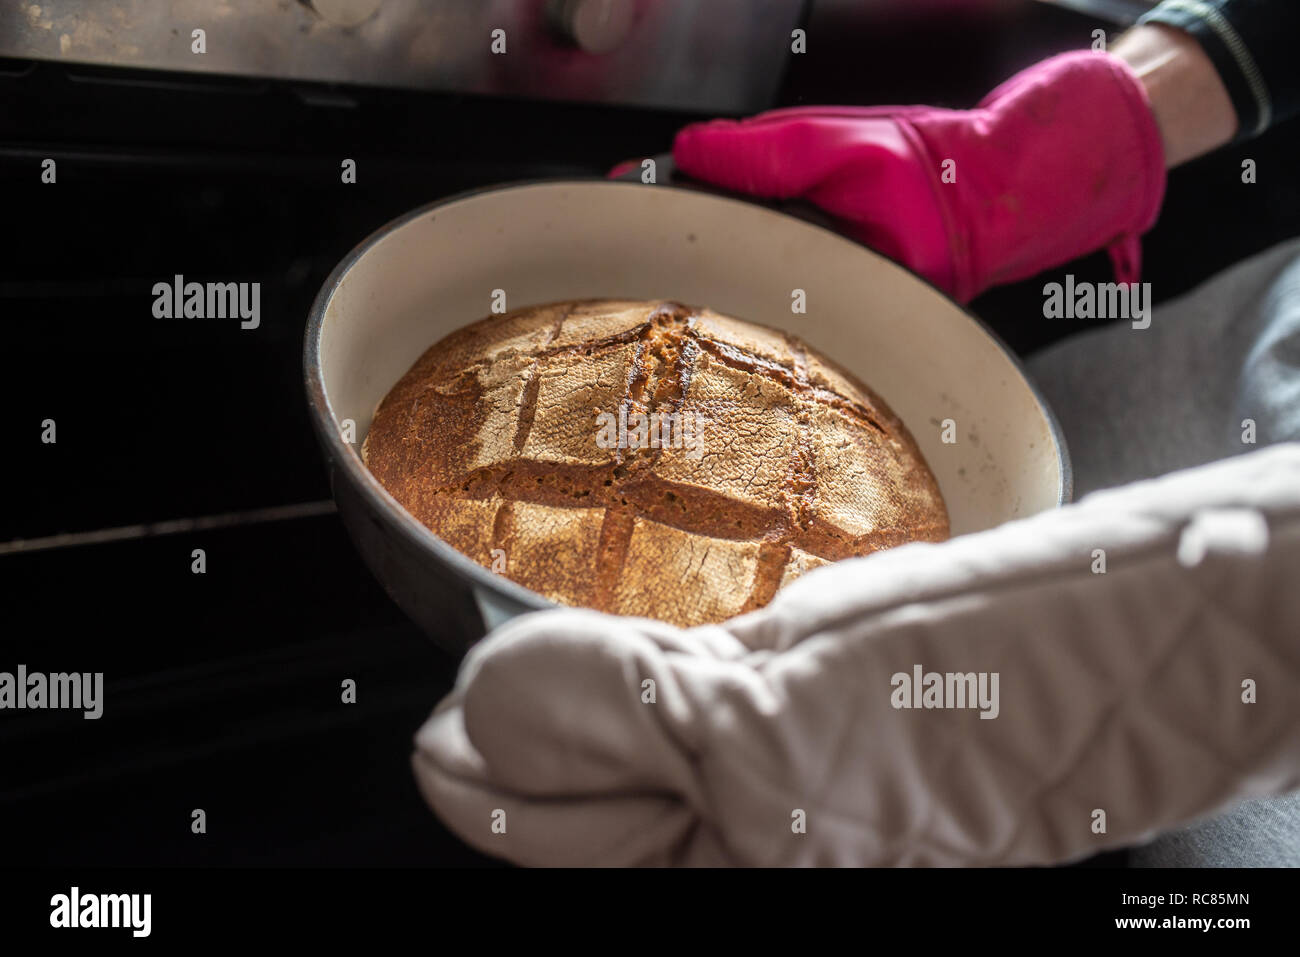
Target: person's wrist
column 1191, row 105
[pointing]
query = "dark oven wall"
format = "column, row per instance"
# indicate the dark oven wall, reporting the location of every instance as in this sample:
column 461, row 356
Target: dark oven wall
column 223, row 689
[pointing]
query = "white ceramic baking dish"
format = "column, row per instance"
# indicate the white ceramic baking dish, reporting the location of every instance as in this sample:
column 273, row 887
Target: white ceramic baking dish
column 439, row 267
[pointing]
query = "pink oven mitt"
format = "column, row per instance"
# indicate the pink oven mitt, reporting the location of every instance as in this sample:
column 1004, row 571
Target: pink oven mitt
column 1128, row 699
column 1060, row 160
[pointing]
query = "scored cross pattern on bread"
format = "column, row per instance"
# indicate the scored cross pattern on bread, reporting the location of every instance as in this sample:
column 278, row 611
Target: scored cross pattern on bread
column 491, row 440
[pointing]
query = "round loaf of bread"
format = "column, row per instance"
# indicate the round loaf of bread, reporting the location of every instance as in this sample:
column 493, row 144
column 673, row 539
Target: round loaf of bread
column 648, row 458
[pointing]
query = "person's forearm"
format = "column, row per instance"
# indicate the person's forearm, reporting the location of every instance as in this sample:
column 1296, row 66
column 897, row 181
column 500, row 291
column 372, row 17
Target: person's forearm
column 1190, row 102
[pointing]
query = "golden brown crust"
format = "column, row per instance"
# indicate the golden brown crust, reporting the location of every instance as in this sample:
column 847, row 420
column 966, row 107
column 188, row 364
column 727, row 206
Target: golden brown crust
column 490, row 440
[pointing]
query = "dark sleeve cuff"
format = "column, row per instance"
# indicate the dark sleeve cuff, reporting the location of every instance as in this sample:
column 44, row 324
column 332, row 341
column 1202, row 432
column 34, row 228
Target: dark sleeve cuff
column 1232, row 57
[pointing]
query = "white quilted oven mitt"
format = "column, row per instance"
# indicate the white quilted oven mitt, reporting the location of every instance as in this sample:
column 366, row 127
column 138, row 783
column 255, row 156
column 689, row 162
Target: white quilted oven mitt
column 1117, row 667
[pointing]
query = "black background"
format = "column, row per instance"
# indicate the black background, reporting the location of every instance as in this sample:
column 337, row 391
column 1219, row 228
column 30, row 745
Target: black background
column 223, row 689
